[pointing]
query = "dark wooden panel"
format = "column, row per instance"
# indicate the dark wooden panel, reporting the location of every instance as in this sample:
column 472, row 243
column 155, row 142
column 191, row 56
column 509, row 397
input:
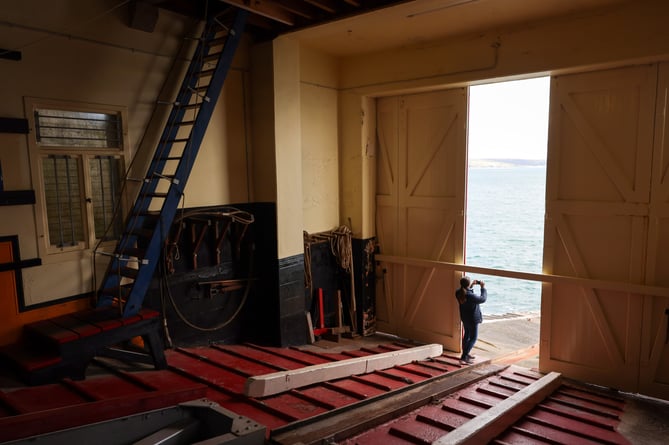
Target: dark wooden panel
column 13, row 125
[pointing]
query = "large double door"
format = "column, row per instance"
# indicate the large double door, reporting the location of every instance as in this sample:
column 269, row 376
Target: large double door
column 607, row 218
column 421, row 168
column 607, row 221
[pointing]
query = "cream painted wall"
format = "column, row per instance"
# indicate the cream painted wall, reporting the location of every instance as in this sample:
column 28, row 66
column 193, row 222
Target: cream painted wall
column 634, row 32
column 82, row 51
column 288, row 147
column 222, row 169
column 320, row 142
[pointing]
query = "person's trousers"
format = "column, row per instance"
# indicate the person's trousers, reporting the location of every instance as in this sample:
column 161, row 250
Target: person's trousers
column 470, row 334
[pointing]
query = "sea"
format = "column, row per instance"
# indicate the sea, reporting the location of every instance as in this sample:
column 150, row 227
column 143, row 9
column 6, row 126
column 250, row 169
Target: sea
column 505, row 230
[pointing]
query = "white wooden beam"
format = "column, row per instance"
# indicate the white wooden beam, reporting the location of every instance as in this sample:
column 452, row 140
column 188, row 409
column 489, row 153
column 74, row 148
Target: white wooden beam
column 276, row 382
column 489, row 424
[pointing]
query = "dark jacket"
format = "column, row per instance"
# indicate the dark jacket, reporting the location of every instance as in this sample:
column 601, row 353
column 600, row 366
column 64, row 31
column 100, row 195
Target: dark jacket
column 470, row 312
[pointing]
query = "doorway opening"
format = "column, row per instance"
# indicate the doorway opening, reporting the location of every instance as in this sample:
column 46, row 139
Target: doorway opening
column 506, row 182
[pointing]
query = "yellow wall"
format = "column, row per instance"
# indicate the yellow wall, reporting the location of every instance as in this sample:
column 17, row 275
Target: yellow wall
column 82, row 51
column 320, row 142
column 288, row 147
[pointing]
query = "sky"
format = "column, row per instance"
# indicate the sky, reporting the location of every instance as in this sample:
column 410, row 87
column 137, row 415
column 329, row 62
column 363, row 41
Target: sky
column 509, row 119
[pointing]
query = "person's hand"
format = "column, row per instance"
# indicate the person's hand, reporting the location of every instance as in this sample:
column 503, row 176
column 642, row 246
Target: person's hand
column 482, row 283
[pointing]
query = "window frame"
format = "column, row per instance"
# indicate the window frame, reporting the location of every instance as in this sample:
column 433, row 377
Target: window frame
column 83, row 155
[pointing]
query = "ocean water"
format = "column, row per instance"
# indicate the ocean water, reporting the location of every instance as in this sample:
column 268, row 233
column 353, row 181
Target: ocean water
column 505, row 227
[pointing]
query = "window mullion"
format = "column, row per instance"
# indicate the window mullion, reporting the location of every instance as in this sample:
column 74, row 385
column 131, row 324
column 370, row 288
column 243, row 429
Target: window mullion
column 88, row 197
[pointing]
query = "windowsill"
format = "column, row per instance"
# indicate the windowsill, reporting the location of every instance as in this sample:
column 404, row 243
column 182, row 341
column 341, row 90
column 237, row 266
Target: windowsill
column 17, row 197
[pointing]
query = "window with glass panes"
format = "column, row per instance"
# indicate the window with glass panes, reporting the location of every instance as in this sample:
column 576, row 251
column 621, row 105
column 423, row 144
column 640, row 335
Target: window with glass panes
column 81, row 162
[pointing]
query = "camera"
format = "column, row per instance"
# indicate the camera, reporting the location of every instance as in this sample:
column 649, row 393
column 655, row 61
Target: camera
column 475, row 282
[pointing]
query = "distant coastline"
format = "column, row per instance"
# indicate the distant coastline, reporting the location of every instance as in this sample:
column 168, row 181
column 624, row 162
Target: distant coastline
column 506, row 163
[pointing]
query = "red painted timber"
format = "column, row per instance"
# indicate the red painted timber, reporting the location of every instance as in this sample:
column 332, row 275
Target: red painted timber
column 444, row 419
column 243, row 408
column 380, row 380
column 296, row 407
column 50, row 396
column 356, row 388
column 81, row 327
column 51, row 330
column 31, row 359
column 304, row 358
column 550, row 422
column 335, row 398
column 461, row 407
column 262, row 356
column 230, row 361
column 416, row 432
column 377, row 437
column 574, row 412
column 578, row 427
column 586, row 404
column 526, row 433
column 420, row 370
column 611, row 401
column 102, row 387
column 356, row 353
column 206, row 372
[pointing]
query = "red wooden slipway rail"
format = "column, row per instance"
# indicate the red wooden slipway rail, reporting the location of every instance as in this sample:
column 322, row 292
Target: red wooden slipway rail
column 443, row 394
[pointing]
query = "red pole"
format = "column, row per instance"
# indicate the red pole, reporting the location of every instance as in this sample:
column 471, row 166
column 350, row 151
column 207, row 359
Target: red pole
column 321, row 314
column 320, row 307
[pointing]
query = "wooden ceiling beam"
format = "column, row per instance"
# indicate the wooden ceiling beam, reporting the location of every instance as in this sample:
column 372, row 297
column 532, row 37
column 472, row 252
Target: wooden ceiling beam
column 329, row 6
column 299, row 7
column 265, row 8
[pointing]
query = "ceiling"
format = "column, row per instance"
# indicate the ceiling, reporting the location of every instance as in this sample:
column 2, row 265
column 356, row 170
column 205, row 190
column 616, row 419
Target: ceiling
column 349, row 27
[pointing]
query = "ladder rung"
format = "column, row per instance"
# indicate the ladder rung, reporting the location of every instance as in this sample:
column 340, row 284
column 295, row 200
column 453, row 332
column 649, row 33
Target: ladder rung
column 141, row 232
column 129, row 272
column 192, row 106
column 174, row 140
column 207, row 72
column 132, row 252
column 187, row 123
column 118, row 291
column 171, row 158
column 162, row 176
column 218, row 40
column 153, row 214
column 156, row 194
column 212, row 57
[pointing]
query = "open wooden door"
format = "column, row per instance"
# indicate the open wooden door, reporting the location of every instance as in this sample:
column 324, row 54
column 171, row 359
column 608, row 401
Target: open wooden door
column 597, row 208
column 654, row 375
column 420, row 200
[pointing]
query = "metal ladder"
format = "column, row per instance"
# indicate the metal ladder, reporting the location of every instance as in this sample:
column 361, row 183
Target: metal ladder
column 147, row 226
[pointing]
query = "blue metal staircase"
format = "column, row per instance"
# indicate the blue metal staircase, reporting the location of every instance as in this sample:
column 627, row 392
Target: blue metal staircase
column 147, row 226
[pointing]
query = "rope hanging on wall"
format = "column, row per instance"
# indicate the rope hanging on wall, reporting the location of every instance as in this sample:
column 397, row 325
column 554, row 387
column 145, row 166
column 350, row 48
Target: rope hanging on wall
column 340, row 244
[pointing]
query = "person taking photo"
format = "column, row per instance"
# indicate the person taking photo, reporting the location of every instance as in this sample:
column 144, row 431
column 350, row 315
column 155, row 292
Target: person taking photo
column 470, row 314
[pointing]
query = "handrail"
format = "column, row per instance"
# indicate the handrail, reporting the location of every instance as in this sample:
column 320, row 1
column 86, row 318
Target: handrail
column 619, row 286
